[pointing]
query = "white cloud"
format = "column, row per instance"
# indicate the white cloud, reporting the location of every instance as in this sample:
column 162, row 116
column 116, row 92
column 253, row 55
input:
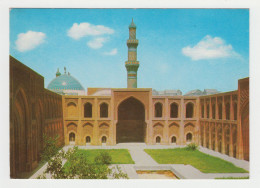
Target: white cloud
column 112, row 52
column 78, row 31
column 209, row 48
column 96, row 43
column 28, row 41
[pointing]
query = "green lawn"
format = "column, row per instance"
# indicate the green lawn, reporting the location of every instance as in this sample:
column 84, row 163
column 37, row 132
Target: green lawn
column 203, row 162
column 233, row 178
column 119, row 156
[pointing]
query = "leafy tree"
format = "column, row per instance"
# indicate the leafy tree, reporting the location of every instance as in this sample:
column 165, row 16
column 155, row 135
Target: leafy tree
column 50, row 147
column 80, row 168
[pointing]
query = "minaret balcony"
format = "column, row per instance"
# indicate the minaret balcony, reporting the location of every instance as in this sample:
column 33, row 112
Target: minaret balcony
column 133, row 42
column 132, row 63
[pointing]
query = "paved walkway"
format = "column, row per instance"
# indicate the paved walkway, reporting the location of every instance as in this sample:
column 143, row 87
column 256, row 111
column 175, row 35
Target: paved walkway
column 143, row 161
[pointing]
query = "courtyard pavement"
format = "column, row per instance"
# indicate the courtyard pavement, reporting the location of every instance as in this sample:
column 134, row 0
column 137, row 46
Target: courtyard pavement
column 143, row 161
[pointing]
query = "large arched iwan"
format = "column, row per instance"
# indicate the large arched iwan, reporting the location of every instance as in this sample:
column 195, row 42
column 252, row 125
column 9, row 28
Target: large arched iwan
column 131, row 125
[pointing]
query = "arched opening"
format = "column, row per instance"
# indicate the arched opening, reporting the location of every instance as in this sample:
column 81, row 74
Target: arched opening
column 88, row 110
column 235, row 111
column 207, row 110
column 234, row 137
column 104, row 110
column 88, row 140
column 174, row 110
column 227, row 111
column 72, row 138
column 227, row 137
column 220, row 139
column 189, row 110
column 207, row 136
column 173, row 140
column 202, row 110
column 189, row 137
column 72, row 109
column 158, row 109
column 104, row 139
column 220, row 111
column 158, row 140
column 213, row 111
column 245, row 131
column 202, row 135
column 213, row 137
column 131, row 125
column 18, row 136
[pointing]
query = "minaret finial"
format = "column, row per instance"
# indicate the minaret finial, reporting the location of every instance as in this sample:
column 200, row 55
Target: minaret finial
column 64, row 70
column 58, row 73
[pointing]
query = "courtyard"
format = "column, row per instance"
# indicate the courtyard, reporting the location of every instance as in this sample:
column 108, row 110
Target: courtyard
column 141, row 161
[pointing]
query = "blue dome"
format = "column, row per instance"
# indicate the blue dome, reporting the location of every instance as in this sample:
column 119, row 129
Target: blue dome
column 65, row 82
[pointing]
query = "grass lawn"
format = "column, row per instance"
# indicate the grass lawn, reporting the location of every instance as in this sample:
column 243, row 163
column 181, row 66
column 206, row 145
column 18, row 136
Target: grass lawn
column 233, row 178
column 119, row 156
column 203, row 162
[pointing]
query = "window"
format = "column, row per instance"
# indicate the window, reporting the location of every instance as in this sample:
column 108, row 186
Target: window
column 189, row 137
column 103, row 110
column 173, row 140
column 88, row 110
column 88, row 139
column 104, row 139
column 189, row 110
column 227, row 111
column 72, row 137
column 158, row 139
column 174, row 110
column 158, row 110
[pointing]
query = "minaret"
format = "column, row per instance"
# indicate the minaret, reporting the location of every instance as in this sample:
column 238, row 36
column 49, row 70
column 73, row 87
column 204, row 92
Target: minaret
column 132, row 64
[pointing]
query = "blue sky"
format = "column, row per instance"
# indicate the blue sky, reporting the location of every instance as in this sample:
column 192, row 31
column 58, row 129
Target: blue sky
column 182, row 49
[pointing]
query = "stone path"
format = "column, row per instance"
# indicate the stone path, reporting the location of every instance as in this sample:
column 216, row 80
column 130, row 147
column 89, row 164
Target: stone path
column 143, row 161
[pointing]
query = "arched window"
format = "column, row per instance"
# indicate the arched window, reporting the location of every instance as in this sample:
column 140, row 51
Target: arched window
column 207, row 110
column 173, row 139
column 104, row 110
column 213, row 111
column 72, row 137
column 158, row 139
column 227, row 111
column 188, row 137
column 158, row 110
column 189, row 110
column 104, row 139
column 174, row 110
column 220, row 111
column 72, row 109
column 235, row 111
column 88, row 139
column 88, row 110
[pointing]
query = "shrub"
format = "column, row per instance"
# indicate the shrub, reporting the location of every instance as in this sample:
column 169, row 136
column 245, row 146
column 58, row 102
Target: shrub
column 103, row 158
column 192, row 147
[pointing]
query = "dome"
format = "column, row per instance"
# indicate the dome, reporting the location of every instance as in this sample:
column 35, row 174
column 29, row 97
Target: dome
column 65, row 82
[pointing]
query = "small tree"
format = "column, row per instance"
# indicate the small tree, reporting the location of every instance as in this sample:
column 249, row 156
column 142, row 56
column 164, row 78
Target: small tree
column 80, row 168
column 50, row 147
column 192, row 147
